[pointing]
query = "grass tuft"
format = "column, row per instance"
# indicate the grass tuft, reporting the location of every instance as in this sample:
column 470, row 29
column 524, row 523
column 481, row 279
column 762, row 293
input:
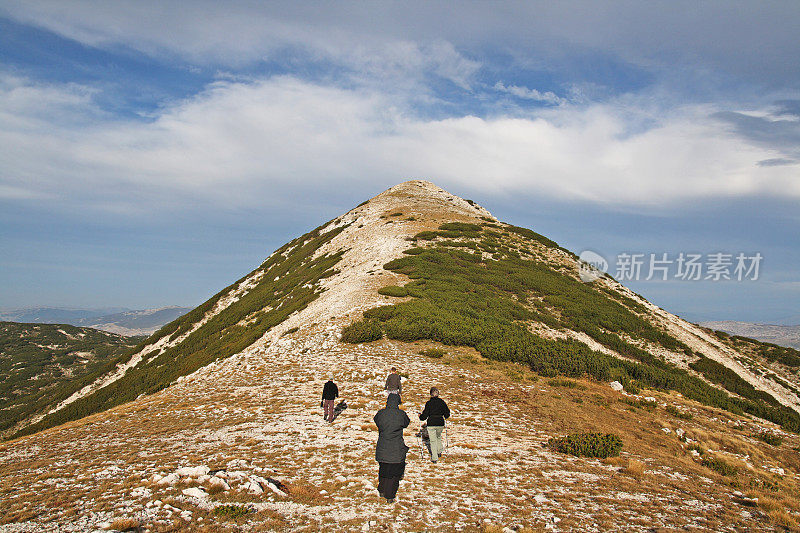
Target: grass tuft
column 433, row 353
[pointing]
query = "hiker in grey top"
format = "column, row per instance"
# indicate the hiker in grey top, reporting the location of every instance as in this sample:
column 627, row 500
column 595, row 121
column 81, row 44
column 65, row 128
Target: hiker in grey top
column 391, row 450
column 393, row 383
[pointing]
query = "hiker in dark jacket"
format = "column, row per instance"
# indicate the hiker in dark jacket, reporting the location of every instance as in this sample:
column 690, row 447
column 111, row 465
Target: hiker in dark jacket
column 390, row 451
column 329, row 393
column 435, row 412
column 394, row 383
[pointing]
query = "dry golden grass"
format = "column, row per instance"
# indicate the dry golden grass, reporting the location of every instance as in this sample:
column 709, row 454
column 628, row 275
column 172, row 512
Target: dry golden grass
column 635, row 468
column 125, row 524
column 781, row 518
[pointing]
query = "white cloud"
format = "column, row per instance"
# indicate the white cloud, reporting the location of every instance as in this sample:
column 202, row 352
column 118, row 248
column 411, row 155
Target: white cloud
column 530, row 94
column 754, row 40
column 260, row 142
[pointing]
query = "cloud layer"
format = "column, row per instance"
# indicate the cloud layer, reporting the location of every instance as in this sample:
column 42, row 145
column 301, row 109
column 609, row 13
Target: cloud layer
column 237, row 141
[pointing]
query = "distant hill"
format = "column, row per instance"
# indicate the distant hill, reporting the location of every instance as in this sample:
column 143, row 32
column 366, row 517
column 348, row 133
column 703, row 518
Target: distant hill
column 115, row 320
column 55, row 315
column 42, row 364
column 788, row 336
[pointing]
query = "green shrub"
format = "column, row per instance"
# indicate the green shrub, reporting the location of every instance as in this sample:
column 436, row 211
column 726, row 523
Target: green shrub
column 719, row 466
column 426, row 235
column 433, row 353
column 600, row 445
column 291, row 330
column 696, row 447
column 568, row 383
column 362, row 331
column 678, row 413
column 640, row 403
column 770, row 438
column 719, row 373
column 393, row 290
column 230, row 511
column 397, row 214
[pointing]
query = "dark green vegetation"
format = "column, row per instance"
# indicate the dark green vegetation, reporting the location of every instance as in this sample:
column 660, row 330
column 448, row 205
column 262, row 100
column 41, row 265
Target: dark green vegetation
column 393, row 290
column 770, row 438
column 600, row 445
column 567, row 383
column 718, row 465
column 463, row 298
column 719, row 373
column 771, row 352
column 433, row 353
column 230, row 511
column 43, row 364
column 648, row 405
column 362, row 331
column 288, row 283
column 677, row 413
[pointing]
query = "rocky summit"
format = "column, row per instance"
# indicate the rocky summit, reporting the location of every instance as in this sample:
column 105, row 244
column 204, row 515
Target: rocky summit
column 576, row 406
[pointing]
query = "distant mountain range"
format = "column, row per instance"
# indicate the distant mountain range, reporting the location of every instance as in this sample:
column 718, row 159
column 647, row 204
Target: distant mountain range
column 115, row 320
column 781, row 335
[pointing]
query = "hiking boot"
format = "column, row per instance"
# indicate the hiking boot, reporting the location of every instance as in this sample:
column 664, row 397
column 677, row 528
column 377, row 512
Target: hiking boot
column 389, row 500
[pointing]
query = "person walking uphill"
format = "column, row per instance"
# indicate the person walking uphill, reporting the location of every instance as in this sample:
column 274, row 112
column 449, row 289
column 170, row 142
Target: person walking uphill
column 329, row 393
column 391, row 449
column 435, row 412
column 394, row 383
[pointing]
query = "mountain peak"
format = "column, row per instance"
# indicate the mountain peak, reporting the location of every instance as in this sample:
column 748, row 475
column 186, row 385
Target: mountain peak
column 423, row 280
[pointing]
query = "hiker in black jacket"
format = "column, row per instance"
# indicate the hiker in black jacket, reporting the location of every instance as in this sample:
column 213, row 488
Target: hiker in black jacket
column 391, row 450
column 435, row 412
column 329, row 393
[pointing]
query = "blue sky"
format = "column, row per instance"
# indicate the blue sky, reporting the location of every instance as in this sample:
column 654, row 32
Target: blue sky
column 152, row 154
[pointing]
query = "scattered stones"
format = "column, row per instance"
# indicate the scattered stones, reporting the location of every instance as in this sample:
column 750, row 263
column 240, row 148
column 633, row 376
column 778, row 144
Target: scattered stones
column 253, row 487
column 169, row 479
column 195, row 492
column 190, row 471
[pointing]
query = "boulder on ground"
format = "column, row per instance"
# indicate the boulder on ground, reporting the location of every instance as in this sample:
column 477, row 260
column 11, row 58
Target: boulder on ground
column 192, row 471
column 195, row 492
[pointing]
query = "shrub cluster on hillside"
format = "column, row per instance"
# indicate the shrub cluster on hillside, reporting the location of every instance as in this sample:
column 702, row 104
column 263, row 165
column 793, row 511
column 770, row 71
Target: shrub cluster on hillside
column 362, row 331
column 600, row 445
column 288, row 283
column 719, row 373
column 43, row 364
column 393, row 290
column 461, row 298
column 769, row 351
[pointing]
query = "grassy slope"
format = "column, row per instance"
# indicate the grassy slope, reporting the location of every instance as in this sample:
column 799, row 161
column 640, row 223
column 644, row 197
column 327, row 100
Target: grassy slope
column 42, row 364
column 484, row 298
column 288, row 284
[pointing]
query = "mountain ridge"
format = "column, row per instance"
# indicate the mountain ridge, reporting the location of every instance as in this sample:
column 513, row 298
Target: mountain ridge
column 204, row 413
column 355, row 259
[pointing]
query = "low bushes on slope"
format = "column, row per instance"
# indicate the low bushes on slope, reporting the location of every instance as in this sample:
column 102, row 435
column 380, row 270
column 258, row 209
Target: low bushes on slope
column 362, row 331
column 43, row 364
column 460, row 298
column 288, row 284
column 600, row 445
